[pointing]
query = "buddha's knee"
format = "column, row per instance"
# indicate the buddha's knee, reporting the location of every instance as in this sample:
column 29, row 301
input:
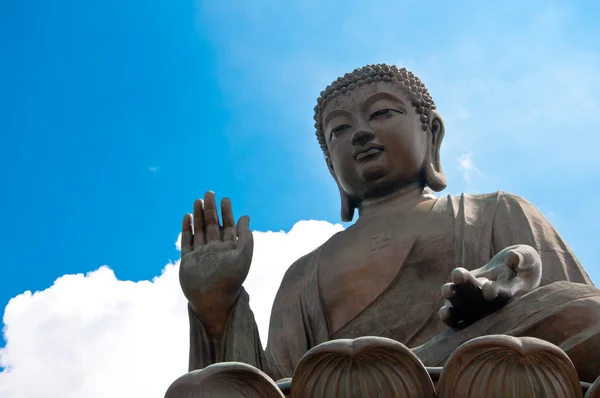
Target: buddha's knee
column 581, row 331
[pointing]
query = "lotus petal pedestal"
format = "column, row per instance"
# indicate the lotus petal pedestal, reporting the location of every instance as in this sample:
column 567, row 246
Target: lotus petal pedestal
column 367, row 366
column 505, row 366
column 594, row 391
column 225, row 379
column 485, row 367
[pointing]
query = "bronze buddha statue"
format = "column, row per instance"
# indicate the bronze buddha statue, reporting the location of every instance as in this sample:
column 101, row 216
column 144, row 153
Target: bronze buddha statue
column 430, row 272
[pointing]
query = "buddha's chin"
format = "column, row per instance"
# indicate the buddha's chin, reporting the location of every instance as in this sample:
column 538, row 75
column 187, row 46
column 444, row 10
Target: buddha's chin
column 373, row 172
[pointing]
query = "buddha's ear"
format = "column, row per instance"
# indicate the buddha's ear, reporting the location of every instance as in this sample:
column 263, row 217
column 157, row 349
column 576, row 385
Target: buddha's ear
column 434, row 175
column 347, row 205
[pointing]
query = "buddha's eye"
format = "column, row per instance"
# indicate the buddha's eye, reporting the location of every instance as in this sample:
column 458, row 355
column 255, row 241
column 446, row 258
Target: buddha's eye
column 381, row 113
column 338, row 129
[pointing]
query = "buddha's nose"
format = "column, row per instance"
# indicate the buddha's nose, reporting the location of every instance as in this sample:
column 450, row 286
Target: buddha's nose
column 361, row 137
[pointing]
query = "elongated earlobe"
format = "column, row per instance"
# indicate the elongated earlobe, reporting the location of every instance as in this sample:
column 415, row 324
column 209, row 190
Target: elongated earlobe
column 347, row 205
column 434, row 175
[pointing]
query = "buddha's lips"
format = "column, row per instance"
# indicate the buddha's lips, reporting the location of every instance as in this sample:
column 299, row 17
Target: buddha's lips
column 364, row 153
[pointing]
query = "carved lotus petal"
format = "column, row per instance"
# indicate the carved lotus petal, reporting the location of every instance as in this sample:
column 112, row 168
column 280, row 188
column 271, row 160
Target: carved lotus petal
column 594, row 391
column 225, row 379
column 364, row 367
column 506, row 366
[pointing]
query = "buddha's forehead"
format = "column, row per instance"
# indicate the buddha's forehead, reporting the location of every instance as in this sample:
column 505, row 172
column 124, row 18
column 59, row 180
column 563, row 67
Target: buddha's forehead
column 352, row 100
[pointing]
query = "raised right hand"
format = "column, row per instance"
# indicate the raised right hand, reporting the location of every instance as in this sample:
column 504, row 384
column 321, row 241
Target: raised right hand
column 215, row 260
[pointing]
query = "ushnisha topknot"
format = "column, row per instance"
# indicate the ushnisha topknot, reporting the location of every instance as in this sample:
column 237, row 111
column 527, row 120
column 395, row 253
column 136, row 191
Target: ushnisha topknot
column 415, row 89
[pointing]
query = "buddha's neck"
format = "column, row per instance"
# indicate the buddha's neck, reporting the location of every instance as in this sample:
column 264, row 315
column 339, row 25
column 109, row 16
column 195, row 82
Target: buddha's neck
column 400, row 200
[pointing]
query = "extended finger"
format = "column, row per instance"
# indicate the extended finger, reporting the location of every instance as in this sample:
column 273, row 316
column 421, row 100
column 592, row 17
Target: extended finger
column 457, row 301
column 211, row 218
column 456, row 308
column 186, row 235
column 449, row 293
column 467, row 295
column 448, row 315
column 245, row 241
column 199, row 238
column 228, row 220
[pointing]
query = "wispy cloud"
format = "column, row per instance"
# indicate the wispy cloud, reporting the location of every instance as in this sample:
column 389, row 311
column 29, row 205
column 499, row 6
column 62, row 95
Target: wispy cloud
column 467, row 167
column 153, row 169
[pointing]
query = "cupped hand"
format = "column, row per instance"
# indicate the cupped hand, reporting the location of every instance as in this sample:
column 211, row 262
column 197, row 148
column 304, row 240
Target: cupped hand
column 215, row 260
column 471, row 295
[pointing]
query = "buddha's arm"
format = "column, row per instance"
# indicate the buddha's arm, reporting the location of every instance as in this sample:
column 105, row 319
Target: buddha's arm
column 526, row 252
column 241, row 340
column 518, row 222
column 289, row 332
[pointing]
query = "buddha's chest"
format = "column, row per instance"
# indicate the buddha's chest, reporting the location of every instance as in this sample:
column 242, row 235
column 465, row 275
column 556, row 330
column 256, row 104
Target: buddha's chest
column 361, row 263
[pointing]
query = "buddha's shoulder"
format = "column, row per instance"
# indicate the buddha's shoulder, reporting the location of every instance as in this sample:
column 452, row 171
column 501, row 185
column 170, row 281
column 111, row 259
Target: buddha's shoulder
column 493, row 198
column 499, row 204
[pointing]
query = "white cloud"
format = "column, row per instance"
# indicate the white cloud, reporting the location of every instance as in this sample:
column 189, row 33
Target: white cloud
column 467, row 167
column 96, row 336
column 153, row 169
column 277, row 252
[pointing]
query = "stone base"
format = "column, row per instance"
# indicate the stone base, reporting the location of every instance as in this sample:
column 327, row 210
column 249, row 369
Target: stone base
column 489, row 366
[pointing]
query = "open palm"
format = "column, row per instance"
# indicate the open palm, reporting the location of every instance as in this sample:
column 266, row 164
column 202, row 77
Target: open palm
column 215, row 260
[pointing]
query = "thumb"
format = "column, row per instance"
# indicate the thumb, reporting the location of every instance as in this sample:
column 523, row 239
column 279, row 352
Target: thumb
column 245, row 240
column 513, row 259
column 526, row 262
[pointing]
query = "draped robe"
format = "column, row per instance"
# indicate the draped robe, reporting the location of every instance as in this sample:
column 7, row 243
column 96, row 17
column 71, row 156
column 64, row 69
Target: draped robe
column 468, row 231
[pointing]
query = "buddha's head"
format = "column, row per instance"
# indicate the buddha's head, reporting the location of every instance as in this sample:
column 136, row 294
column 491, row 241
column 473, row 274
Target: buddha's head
column 379, row 132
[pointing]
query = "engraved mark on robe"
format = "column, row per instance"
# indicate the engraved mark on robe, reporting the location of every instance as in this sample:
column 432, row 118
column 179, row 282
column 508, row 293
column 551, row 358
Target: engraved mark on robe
column 380, row 241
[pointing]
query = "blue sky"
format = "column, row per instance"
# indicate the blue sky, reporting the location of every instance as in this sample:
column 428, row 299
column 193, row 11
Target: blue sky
column 117, row 115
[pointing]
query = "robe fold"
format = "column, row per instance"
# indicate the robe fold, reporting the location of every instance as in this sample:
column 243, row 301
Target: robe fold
column 469, row 231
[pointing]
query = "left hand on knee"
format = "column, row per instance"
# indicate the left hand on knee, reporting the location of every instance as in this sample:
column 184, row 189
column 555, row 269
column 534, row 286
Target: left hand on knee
column 471, row 295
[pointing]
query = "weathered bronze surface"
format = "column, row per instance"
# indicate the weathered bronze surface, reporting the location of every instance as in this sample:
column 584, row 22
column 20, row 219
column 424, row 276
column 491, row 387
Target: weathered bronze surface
column 418, row 271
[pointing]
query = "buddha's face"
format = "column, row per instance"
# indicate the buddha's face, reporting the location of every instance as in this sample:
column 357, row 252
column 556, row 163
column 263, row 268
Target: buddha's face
column 375, row 140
